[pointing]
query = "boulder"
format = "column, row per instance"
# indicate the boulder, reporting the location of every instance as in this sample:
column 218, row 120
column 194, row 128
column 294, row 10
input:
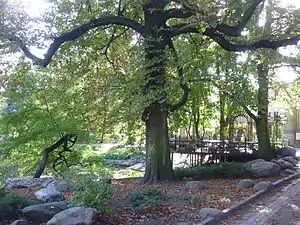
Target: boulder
column 60, row 186
column 124, row 162
column 21, row 222
column 247, row 164
column 287, row 151
column 28, row 183
column 262, row 168
column 74, row 216
column 246, row 183
column 195, row 185
column 287, row 172
column 43, row 212
column 209, row 213
column 49, row 195
column 262, row 185
column 290, row 159
column 284, row 164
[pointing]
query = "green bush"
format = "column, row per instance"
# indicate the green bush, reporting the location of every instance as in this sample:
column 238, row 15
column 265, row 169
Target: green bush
column 123, row 153
column 144, row 198
column 194, row 199
column 89, row 190
column 2, row 190
column 10, row 204
column 222, row 170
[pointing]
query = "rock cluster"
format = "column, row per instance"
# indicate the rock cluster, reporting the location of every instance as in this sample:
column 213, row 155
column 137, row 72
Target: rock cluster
column 284, row 165
column 53, row 209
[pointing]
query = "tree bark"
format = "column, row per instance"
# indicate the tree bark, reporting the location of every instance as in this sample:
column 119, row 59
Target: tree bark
column 223, row 122
column 196, row 118
column 158, row 163
column 261, row 122
column 62, row 141
column 264, row 146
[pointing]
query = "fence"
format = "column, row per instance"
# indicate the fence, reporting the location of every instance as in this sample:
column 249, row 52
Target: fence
column 201, row 152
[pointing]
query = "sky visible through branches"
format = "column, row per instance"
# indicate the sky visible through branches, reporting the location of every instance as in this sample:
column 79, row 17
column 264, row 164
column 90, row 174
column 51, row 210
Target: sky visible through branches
column 36, row 7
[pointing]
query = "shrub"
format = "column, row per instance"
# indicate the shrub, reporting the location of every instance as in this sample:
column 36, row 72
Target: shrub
column 2, row 190
column 222, row 170
column 123, row 153
column 194, row 199
column 10, row 204
column 89, row 190
column 144, row 198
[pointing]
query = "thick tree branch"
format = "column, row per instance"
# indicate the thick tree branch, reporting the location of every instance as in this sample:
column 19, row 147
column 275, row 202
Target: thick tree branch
column 231, row 46
column 237, row 30
column 178, row 13
column 76, row 33
column 183, row 85
column 189, row 10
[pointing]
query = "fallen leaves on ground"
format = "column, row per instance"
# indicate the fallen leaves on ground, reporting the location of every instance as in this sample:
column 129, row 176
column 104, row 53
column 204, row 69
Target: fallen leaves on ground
column 182, row 205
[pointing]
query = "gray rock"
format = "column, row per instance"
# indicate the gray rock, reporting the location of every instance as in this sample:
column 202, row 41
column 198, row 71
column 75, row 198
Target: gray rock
column 140, row 166
column 29, row 183
column 246, row 183
column 209, row 213
column 287, row 172
column 284, row 164
column 248, row 164
column 21, row 222
column 60, row 186
column 263, row 168
column 262, row 185
column 195, row 185
column 124, row 162
column 49, row 195
column 43, row 212
column 288, row 151
column 290, row 159
column 74, row 216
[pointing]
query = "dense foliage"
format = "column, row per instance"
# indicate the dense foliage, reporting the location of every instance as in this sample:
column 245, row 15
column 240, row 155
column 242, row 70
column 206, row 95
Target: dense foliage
column 89, row 190
column 143, row 198
column 228, row 170
column 107, row 65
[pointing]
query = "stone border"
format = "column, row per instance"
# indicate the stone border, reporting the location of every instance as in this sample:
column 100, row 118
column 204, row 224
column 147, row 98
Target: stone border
column 229, row 211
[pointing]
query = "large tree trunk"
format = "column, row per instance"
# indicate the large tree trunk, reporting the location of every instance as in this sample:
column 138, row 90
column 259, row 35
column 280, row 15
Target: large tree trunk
column 158, row 163
column 262, row 130
column 264, row 145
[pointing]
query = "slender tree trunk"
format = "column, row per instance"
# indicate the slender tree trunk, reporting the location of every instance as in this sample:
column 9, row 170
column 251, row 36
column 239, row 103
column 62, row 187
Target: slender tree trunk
column 46, row 153
column 196, row 123
column 158, row 163
column 223, row 123
column 231, row 129
column 42, row 165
